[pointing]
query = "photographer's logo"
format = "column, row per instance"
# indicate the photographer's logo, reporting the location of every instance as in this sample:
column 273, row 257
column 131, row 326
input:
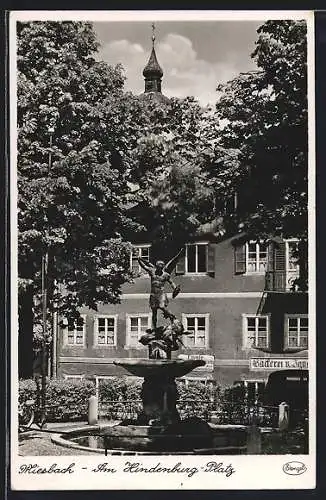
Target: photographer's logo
column 294, row 468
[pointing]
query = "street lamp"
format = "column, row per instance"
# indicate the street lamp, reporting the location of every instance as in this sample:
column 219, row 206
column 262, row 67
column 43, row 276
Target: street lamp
column 44, row 274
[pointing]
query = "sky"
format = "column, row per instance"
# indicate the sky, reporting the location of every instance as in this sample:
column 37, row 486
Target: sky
column 195, row 56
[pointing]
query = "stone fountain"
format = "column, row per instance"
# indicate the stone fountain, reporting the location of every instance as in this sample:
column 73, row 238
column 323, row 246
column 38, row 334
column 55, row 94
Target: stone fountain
column 158, row 426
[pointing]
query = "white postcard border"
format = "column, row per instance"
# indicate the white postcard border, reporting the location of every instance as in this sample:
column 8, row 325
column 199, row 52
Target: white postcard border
column 251, row 472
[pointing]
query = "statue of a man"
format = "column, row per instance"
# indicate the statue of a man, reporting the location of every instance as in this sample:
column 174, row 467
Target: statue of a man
column 161, row 274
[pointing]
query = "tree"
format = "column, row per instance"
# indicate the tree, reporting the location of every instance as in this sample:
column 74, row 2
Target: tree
column 265, row 117
column 72, row 168
column 170, row 198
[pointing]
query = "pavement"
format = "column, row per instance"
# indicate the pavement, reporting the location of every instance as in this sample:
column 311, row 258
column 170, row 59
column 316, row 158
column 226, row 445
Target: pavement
column 35, row 442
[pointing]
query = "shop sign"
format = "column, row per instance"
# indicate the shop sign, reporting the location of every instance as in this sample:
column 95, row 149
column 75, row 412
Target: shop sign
column 262, row 364
column 209, row 361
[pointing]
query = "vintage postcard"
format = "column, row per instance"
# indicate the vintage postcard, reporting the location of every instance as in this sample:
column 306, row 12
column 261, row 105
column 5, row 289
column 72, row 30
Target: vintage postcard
column 162, row 250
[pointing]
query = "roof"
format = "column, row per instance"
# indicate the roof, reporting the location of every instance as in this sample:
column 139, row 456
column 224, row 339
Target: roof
column 152, row 68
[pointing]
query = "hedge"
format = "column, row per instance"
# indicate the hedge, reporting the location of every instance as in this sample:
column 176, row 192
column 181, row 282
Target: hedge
column 68, row 399
column 65, row 399
column 120, row 389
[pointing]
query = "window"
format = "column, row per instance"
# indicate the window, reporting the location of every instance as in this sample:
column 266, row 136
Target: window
column 75, row 331
column 187, row 381
column 137, row 324
column 254, row 390
column 296, row 328
column 255, row 331
column 256, row 257
column 74, row 378
column 197, row 324
column 251, row 257
column 142, row 251
column 292, row 264
column 105, row 330
column 196, row 258
column 292, row 256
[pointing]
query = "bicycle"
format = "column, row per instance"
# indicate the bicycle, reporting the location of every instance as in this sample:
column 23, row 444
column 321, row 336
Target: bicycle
column 26, row 415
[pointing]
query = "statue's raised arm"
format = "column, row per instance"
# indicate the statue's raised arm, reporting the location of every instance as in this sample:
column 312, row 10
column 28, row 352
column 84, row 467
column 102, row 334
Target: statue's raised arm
column 169, row 266
column 147, row 266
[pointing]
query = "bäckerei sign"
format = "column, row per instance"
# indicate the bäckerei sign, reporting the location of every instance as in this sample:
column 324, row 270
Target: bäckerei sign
column 261, row 364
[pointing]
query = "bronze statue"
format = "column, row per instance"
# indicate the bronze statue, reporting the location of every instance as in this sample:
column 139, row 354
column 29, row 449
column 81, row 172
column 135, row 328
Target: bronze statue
column 160, row 274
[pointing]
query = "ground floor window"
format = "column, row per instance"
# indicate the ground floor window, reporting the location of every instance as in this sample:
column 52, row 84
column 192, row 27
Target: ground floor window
column 197, row 325
column 75, row 331
column 137, row 324
column 249, row 391
column 74, row 378
column 105, row 330
column 296, row 331
column 255, row 331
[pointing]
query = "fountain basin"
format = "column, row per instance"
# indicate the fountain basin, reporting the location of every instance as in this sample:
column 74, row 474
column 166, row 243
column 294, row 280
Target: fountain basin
column 226, row 440
column 163, row 368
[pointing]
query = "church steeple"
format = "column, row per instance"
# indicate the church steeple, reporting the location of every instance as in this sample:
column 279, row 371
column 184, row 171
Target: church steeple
column 153, row 72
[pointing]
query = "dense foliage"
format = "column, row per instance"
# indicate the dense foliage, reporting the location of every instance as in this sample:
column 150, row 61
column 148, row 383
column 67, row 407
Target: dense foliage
column 71, row 179
column 65, row 399
column 265, row 118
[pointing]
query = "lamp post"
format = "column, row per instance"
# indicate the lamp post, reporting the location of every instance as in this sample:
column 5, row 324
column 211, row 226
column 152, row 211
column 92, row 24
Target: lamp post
column 44, row 275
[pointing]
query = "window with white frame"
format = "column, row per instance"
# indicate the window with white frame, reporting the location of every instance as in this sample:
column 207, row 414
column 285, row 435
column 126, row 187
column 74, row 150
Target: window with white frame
column 197, row 325
column 256, row 256
column 137, row 324
column 75, row 331
column 292, row 263
column 255, row 331
column 296, row 328
column 137, row 251
column 105, row 330
column 74, row 378
column 196, row 258
column 292, row 255
column 254, row 390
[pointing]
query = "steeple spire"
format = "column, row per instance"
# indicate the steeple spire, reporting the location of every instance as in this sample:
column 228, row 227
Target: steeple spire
column 153, row 72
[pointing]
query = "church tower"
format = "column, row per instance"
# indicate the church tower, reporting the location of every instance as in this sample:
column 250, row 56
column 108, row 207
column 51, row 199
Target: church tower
column 153, row 74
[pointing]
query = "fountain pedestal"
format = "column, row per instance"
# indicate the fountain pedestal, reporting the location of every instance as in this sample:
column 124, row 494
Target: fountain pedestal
column 159, row 391
column 159, row 398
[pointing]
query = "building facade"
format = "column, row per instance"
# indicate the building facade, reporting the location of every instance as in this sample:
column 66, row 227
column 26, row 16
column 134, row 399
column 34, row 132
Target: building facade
column 244, row 317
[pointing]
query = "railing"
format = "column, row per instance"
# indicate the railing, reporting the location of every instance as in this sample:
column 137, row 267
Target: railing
column 120, row 410
column 275, row 281
column 221, row 412
column 279, row 281
column 218, row 412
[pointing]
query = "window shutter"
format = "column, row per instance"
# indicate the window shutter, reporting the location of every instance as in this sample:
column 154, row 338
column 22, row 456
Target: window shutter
column 269, row 275
column 240, row 259
column 270, row 256
column 181, row 265
column 211, row 259
column 279, row 257
column 279, row 267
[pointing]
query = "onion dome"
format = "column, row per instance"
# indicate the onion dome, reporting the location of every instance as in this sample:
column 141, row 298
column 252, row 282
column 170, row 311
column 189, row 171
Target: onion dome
column 153, row 72
column 152, row 68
